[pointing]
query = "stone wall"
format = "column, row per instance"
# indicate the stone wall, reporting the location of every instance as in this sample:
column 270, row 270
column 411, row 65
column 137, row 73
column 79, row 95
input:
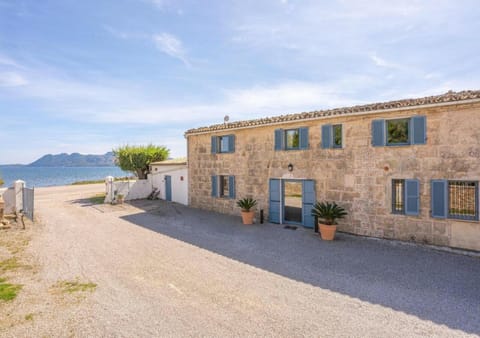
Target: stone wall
column 358, row 176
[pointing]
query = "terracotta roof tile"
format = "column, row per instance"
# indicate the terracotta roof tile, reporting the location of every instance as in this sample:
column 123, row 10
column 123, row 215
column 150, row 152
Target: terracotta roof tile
column 449, row 97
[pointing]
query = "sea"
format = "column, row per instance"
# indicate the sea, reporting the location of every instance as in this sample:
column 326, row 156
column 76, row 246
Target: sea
column 53, row 176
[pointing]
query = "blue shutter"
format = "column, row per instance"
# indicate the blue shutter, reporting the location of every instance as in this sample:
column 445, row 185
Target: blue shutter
column 303, row 136
column 418, row 127
column 439, row 198
column 412, row 197
column 327, row 136
column 231, row 186
column 378, row 133
column 274, row 203
column 214, row 144
column 279, row 139
column 231, row 143
column 308, row 200
column 214, row 186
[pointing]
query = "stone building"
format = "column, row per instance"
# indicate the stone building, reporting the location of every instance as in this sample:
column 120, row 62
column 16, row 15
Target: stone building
column 406, row 169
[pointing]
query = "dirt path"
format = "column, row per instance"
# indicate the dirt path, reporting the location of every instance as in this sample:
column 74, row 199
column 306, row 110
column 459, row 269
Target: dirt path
column 149, row 285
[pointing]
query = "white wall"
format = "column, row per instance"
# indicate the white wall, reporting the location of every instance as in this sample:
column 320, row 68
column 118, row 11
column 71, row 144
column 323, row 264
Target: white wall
column 9, row 199
column 13, row 197
column 8, row 195
column 179, row 185
column 140, row 189
column 131, row 190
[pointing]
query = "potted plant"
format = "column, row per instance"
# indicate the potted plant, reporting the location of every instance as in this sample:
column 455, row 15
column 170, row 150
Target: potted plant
column 327, row 213
column 246, row 204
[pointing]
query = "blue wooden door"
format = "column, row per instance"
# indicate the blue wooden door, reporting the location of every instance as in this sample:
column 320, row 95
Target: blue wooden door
column 275, row 200
column 308, row 200
column 168, row 187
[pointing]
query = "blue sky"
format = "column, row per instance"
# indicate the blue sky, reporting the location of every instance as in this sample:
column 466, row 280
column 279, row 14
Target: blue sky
column 86, row 76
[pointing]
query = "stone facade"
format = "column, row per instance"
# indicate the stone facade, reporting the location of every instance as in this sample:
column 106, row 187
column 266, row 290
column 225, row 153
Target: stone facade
column 358, row 176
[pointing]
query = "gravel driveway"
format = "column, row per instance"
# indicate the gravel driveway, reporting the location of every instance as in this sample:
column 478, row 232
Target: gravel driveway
column 163, row 269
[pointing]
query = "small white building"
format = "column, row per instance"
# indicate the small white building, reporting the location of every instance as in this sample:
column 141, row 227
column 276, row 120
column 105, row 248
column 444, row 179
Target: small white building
column 170, row 178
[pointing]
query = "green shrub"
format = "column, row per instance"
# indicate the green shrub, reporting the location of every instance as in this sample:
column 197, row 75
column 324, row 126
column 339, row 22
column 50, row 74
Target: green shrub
column 329, row 212
column 137, row 159
column 246, row 203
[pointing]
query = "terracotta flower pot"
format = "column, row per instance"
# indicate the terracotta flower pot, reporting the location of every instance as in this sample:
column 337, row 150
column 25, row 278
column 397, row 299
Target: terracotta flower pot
column 247, row 217
column 327, row 232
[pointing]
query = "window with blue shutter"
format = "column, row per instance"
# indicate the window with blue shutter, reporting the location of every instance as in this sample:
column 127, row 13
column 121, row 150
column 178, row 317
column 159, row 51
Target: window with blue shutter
column 223, row 144
column 223, row 186
column 326, row 136
column 406, row 197
column 332, row 136
column 231, row 143
column 278, row 139
column 412, row 197
column 303, row 138
column 214, row 186
column 378, row 133
column 399, row 132
column 439, row 198
column 214, row 144
column 418, row 130
column 231, row 186
column 291, row 139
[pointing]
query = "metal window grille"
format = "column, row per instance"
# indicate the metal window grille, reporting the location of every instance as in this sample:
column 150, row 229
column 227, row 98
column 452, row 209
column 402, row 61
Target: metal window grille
column 463, row 199
column 398, row 203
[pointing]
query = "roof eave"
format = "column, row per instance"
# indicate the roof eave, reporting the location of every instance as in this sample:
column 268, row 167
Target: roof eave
column 328, row 116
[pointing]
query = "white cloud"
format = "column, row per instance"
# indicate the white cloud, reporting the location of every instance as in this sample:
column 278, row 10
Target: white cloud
column 371, row 9
column 345, row 26
column 292, row 97
column 6, row 61
column 116, row 33
column 110, row 102
column 243, row 103
column 159, row 4
column 165, row 42
column 12, row 79
column 384, row 63
column 171, row 46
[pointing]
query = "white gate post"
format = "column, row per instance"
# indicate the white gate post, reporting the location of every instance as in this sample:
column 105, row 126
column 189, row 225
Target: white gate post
column 109, row 196
column 18, row 187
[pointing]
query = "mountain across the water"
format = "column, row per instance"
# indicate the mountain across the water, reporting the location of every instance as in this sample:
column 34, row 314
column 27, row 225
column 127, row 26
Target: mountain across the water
column 75, row 160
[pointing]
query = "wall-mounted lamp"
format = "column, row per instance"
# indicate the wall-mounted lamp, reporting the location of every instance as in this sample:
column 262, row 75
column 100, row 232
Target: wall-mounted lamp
column 290, row 167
